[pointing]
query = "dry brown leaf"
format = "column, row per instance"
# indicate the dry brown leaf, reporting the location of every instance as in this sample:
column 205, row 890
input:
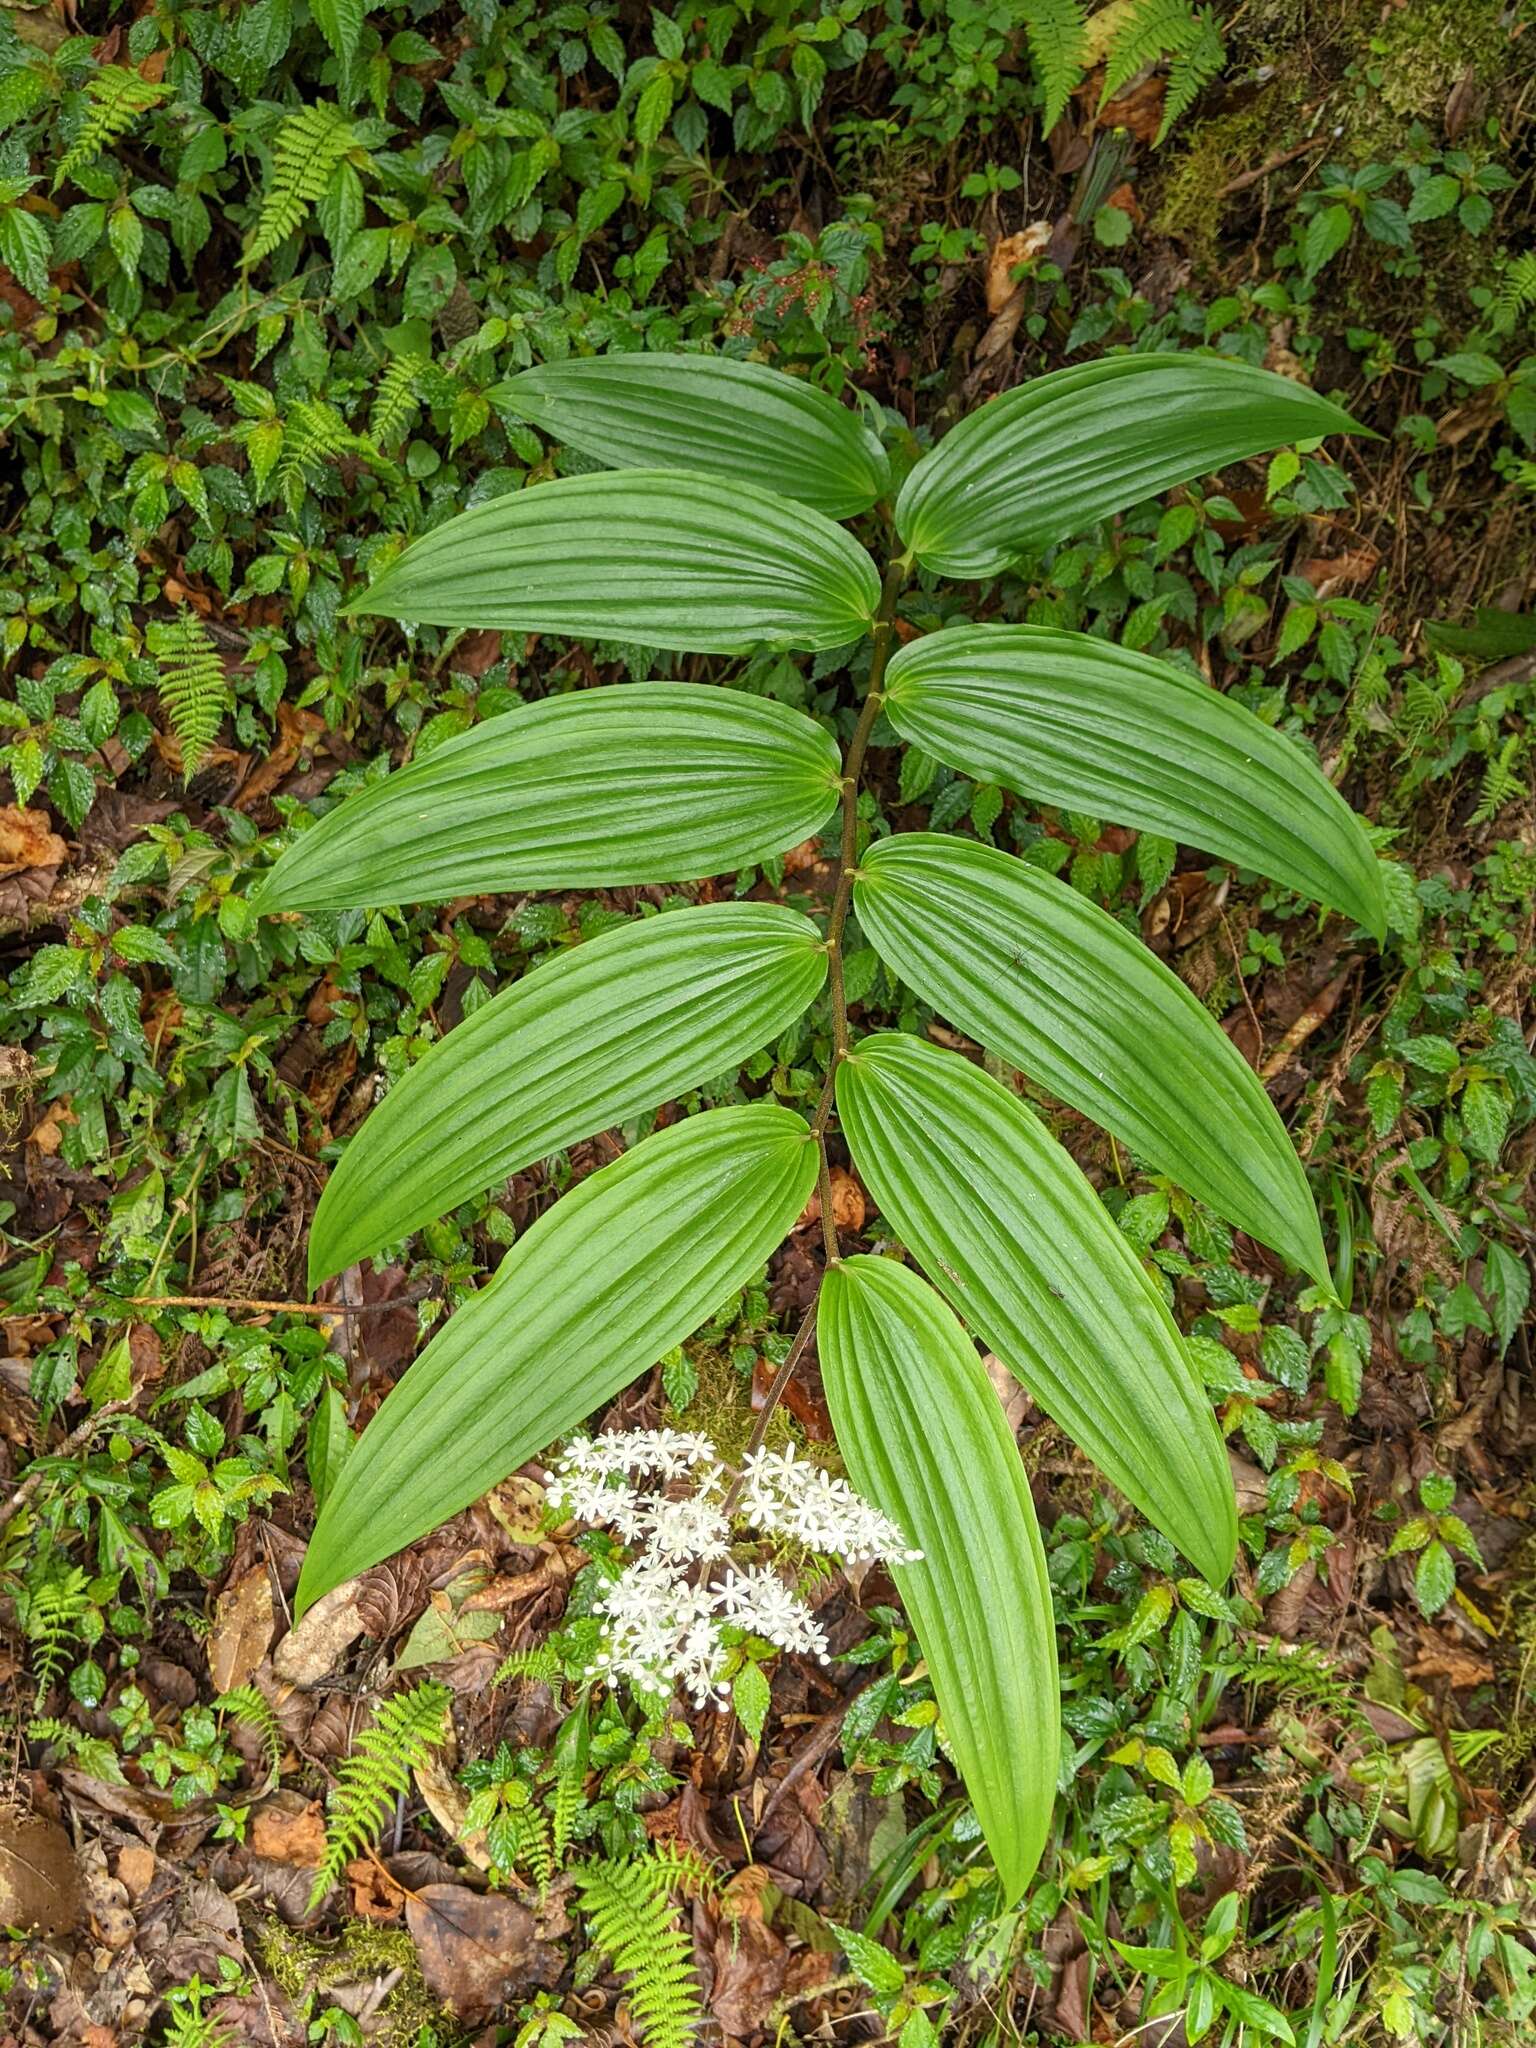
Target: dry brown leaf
column 243, row 1623
column 477, row 1952
column 447, row 1802
column 27, row 840
column 849, row 1207
column 375, row 1894
column 1006, row 255
column 1138, row 110
column 1016, row 1403
column 136, row 1867
column 288, row 1828
column 40, row 1885
column 312, row 1651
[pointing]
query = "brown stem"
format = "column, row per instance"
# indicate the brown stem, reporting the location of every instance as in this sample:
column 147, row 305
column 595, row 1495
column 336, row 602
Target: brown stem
column 77, row 1438
column 273, row 1308
column 853, row 768
column 781, row 1380
column 884, row 635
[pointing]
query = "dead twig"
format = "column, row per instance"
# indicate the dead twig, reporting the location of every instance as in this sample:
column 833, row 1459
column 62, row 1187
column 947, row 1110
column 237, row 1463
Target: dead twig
column 278, row 1308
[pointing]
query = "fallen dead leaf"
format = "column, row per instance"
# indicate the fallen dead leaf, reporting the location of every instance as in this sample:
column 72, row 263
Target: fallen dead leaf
column 27, row 840
column 1016, row 1403
column 1138, row 110
column 40, row 1885
column 1005, row 256
column 136, row 1866
column 288, row 1828
column 477, row 1951
column 375, row 1894
column 312, row 1651
column 849, row 1207
column 47, row 1134
column 298, row 732
column 243, row 1623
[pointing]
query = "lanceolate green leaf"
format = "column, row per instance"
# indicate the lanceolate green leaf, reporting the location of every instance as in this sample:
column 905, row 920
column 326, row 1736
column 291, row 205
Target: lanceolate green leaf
column 1095, row 728
column 660, row 557
column 707, row 413
column 1009, row 1231
column 593, row 1036
column 615, row 1274
column 1053, row 456
column 923, row 1432
column 1055, row 985
column 640, row 782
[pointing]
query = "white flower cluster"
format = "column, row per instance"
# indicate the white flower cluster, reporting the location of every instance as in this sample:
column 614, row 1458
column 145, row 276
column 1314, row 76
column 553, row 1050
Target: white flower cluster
column 663, row 1614
column 788, row 1496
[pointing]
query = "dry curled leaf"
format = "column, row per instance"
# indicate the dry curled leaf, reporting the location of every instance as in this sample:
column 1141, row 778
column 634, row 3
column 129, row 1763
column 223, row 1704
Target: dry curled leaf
column 288, row 1828
column 1006, row 255
column 27, row 840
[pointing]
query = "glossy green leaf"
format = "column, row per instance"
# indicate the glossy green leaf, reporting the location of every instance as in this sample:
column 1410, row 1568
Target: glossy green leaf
column 639, row 782
column 1055, row 455
column 923, row 1432
column 1095, row 728
column 1012, row 1235
column 658, row 557
column 593, row 1036
column 616, row 1273
column 714, row 414
column 1052, row 983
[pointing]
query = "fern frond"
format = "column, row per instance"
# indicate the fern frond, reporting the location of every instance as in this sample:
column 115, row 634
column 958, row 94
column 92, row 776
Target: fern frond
column 310, row 144
column 399, row 1740
column 1192, row 69
column 631, row 1918
column 519, row 1840
column 314, row 436
column 192, row 684
column 1501, row 782
column 1516, row 291
column 114, row 99
column 1171, row 32
column 569, row 1797
column 542, row 1666
column 49, row 1614
column 396, row 402
column 1055, row 32
column 250, row 1706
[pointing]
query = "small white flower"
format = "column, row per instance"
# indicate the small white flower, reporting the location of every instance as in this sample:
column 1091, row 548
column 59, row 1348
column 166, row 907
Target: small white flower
column 662, row 1632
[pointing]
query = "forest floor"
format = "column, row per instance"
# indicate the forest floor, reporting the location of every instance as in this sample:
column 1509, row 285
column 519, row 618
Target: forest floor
column 198, row 459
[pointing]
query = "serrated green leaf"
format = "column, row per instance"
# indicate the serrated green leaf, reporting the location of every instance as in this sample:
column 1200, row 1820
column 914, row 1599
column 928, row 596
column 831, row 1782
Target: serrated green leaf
column 341, row 23
column 1507, row 1285
column 638, row 782
column 1087, row 725
column 588, row 1039
column 706, row 413
column 1055, row 455
column 923, row 1432
column 659, row 557
column 1008, row 1230
column 1055, row 985
column 616, row 1273
column 750, row 1698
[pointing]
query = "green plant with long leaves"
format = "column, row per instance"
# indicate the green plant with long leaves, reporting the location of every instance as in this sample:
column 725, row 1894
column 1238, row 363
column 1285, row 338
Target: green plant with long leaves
column 714, row 530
